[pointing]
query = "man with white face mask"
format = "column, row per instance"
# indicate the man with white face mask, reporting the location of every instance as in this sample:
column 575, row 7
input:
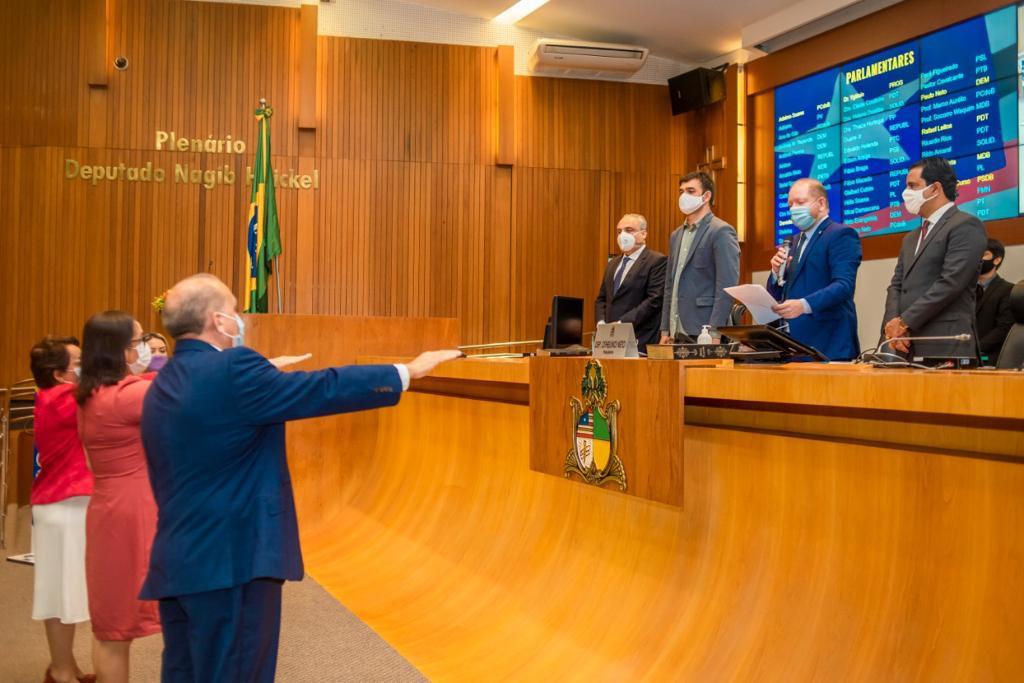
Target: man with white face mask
column 634, row 282
column 932, row 292
column 817, row 284
column 703, row 259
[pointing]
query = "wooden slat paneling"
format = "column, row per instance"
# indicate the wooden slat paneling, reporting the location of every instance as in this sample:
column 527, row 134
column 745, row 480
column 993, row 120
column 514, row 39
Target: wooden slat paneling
column 413, row 216
column 406, row 101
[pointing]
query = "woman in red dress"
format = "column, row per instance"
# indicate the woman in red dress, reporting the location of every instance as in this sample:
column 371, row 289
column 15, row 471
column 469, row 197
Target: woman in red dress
column 121, row 518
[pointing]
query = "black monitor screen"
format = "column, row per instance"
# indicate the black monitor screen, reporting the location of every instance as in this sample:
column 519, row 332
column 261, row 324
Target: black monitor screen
column 567, row 321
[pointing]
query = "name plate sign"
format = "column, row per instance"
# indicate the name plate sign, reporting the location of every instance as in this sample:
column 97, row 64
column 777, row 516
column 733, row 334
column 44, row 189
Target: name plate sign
column 615, row 340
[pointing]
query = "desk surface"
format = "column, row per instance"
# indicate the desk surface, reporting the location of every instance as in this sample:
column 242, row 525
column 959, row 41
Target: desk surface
column 974, row 393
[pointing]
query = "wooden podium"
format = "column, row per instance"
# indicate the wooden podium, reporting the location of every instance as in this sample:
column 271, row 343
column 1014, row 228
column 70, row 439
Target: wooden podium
column 648, row 434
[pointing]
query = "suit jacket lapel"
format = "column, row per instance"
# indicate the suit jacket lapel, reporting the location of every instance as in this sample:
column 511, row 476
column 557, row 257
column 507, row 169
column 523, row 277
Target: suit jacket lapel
column 930, row 237
column 609, row 276
column 702, row 231
column 633, row 269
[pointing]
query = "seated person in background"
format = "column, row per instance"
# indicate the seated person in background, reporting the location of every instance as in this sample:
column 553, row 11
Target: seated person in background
column 817, row 284
column 994, row 318
column 634, row 283
column 158, row 350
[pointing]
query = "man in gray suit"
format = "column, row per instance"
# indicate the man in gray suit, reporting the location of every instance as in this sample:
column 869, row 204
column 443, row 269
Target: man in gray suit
column 932, row 289
column 703, row 259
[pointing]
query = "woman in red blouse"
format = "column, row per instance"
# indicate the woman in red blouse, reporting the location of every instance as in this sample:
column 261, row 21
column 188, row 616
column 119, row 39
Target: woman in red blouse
column 60, row 495
column 121, row 521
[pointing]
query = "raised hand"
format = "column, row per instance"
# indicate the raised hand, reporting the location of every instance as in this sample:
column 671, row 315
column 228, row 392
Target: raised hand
column 423, row 364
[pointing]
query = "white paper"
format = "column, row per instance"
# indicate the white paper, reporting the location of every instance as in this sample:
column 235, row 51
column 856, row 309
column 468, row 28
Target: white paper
column 757, row 300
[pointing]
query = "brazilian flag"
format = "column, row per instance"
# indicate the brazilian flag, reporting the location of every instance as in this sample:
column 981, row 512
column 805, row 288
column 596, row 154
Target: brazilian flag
column 263, row 239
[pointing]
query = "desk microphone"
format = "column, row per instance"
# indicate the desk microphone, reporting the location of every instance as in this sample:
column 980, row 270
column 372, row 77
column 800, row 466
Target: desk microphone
column 951, row 337
column 788, row 244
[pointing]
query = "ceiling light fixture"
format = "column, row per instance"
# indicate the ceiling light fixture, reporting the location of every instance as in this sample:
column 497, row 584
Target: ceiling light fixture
column 516, row 12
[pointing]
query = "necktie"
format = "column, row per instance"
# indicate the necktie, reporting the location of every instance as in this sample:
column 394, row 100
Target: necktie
column 798, row 248
column 619, row 275
column 924, row 235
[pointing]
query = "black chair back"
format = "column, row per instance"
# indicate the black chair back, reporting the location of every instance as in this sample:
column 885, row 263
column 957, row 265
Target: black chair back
column 1012, row 355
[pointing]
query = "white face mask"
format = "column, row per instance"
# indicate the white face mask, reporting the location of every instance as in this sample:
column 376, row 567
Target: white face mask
column 142, row 362
column 626, row 241
column 236, row 339
column 689, row 203
column 915, row 199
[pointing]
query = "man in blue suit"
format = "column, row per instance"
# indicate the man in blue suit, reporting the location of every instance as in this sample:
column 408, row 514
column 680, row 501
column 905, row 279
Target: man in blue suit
column 817, row 284
column 227, row 534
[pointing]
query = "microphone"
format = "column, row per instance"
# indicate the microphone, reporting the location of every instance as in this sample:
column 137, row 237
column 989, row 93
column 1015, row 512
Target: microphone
column 951, row 337
column 788, row 244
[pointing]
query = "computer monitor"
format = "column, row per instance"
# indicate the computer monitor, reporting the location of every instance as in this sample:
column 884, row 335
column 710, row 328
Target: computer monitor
column 565, row 326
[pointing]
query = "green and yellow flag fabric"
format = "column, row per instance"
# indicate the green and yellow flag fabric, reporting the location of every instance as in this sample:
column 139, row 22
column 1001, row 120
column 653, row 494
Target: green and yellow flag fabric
column 263, row 240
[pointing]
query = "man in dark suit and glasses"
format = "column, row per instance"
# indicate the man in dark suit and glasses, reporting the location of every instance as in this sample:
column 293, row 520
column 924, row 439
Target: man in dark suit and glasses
column 932, row 292
column 994, row 317
column 633, row 285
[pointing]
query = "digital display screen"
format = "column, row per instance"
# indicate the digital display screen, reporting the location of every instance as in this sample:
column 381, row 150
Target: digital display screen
column 857, row 128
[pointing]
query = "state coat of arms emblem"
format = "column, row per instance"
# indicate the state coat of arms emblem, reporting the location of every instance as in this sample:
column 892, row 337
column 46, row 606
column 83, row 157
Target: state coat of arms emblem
column 594, row 453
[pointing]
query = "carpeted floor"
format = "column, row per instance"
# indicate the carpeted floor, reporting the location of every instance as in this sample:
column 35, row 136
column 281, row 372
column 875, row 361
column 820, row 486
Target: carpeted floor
column 320, row 639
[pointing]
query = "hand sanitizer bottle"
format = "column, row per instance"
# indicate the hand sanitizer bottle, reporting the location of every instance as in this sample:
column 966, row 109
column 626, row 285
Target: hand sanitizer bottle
column 705, row 335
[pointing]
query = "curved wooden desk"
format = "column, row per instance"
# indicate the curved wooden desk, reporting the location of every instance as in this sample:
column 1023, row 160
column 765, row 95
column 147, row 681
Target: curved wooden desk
column 820, row 538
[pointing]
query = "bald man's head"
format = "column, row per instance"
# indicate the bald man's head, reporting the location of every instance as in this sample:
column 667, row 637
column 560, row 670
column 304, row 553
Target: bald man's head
column 811, row 188
column 191, row 304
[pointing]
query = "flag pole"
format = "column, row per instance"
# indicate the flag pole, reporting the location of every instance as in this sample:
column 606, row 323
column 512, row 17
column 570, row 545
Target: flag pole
column 277, row 259
column 277, row 280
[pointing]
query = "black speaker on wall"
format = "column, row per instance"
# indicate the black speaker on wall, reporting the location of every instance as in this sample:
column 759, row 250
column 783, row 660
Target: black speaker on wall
column 696, row 89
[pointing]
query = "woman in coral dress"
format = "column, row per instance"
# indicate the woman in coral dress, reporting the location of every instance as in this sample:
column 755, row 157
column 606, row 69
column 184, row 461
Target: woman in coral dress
column 121, row 518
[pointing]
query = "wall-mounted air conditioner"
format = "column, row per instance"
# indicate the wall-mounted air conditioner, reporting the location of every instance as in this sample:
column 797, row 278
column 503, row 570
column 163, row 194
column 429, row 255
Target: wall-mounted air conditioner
column 570, row 57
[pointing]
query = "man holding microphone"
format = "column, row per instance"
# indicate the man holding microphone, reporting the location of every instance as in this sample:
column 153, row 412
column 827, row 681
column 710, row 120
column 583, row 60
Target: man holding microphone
column 815, row 278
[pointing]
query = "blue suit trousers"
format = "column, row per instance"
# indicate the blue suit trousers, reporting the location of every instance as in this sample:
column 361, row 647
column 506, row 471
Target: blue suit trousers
column 222, row 635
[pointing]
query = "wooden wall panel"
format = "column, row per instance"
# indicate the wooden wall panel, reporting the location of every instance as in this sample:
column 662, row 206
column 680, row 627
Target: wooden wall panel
column 413, row 216
column 561, row 242
column 403, row 101
column 42, row 75
column 598, row 125
column 200, row 69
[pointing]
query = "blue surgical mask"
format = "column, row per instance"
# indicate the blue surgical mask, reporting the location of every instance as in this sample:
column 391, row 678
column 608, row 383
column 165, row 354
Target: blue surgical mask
column 802, row 217
column 236, row 339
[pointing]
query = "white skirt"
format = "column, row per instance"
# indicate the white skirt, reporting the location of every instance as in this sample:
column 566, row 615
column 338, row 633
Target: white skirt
column 58, row 541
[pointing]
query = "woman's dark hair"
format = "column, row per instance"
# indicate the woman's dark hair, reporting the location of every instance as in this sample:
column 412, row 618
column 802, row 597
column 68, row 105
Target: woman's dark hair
column 104, row 339
column 50, row 355
column 938, row 170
